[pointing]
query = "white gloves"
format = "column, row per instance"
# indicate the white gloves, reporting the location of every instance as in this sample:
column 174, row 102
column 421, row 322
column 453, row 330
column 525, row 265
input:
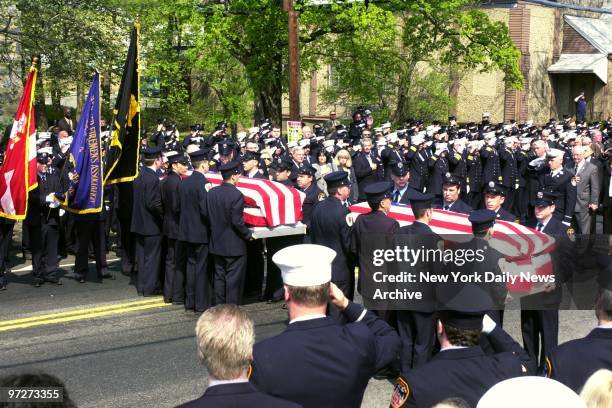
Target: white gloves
column 488, row 325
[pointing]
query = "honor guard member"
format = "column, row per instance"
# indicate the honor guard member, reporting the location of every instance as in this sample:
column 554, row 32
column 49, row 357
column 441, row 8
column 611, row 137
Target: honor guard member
column 461, row 369
column 417, row 158
column 229, row 235
column 169, row 195
column 250, row 166
column 450, row 201
column 474, row 182
column 416, row 326
column 6, row 236
column 495, row 195
column 317, row 362
column 509, row 175
column 489, row 297
column 193, row 282
column 540, row 311
column 274, row 283
column 42, row 222
column 147, row 222
column 438, row 167
column 255, row 250
column 375, row 222
column 225, row 336
column 457, row 162
column 328, row 227
column 305, row 183
column 572, row 363
column 564, row 183
column 490, row 160
column 401, row 187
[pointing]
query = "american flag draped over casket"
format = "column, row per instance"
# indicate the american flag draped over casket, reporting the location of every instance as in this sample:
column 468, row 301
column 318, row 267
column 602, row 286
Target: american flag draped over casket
column 525, row 249
column 267, row 203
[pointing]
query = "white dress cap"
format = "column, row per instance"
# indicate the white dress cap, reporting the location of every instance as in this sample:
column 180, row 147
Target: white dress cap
column 530, row 392
column 305, row 265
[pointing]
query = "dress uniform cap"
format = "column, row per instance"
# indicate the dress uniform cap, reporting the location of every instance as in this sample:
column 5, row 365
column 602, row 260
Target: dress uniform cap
column 229, row 168
column 176, row 158
column 461, row 320
column 417, row 139
column 225, row 148
column 305, row 265
column 378, row 130
column 381, row 142
column 418, row 200
column 545, row 198
column 304, row 143
column 496, row 188
column 530, row 391
column 250, row 156
column 282, row 165
column 554, row 153
column 386, row 125
column 328, row 143
column 337, row 179
column 378, row 191
column 151, row 152
column 482, row 219
column 452, row 179
column 307, row 170
column 199, row 155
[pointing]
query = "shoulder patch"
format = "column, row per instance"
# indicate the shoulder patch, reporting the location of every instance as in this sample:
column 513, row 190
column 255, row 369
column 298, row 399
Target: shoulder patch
column 570, row 232
column 400, row 393
column 434, row 158
column 574, row 181
column 208, row 186
column 457, row 156
column 470, row 157
column 413, row 148
column 488, row 149
column 321, row 196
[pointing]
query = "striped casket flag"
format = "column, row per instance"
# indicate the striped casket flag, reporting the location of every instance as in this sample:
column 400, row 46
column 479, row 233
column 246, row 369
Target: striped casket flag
column 524, row 248
column 267, row 203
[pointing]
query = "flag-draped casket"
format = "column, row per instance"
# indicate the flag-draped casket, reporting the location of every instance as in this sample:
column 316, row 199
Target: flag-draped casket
column 525, row 249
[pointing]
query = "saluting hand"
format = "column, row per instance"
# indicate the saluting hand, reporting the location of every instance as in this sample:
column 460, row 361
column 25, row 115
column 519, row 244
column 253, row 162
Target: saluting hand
column 337, row 297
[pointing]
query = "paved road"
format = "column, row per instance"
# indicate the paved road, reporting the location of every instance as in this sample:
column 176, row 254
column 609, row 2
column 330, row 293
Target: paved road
column 116, row 349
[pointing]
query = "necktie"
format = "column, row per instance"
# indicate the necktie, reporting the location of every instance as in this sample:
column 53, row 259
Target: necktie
column 345, row 204
column 396, row 196
column 446, row 207
column 540, row 226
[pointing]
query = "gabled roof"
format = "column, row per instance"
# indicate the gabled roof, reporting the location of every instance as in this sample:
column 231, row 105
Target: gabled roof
column 597, row 31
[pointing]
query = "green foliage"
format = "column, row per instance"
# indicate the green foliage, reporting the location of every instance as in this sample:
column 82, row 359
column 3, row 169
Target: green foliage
column 229, row 61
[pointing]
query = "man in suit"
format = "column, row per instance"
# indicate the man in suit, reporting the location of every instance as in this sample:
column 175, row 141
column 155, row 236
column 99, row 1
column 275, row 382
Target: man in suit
column 328, row 227
column 147, row 222
column 587, row 191
column 461, row 369
column 169, row 195
column 401, row 186
column 66, row 123
column 229, row 245
column 317, row 362
column 451, row 189
column 416, row 325
column 193, row 282
column 540, row 311
column 365, row 164
column 225, row 336
column 42, row 222
column 572, row 363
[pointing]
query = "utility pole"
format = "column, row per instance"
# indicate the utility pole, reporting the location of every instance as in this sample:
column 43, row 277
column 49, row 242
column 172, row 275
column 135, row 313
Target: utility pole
column 294, row 61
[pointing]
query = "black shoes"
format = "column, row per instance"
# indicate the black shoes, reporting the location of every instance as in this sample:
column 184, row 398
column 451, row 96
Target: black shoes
column 54, row 281
column 38, row 282
column 108, row 275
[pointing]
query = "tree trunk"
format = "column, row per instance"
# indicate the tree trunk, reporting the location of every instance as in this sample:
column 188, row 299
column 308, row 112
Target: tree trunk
column 106, row 94
column 39, row 102
column 79, row 96
column 402, row 111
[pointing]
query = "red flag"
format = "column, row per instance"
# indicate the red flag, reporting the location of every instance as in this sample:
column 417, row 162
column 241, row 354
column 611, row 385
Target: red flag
column 18, row 172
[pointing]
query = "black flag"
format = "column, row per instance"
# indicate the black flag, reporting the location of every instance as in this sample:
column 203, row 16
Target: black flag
column 122, row 155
